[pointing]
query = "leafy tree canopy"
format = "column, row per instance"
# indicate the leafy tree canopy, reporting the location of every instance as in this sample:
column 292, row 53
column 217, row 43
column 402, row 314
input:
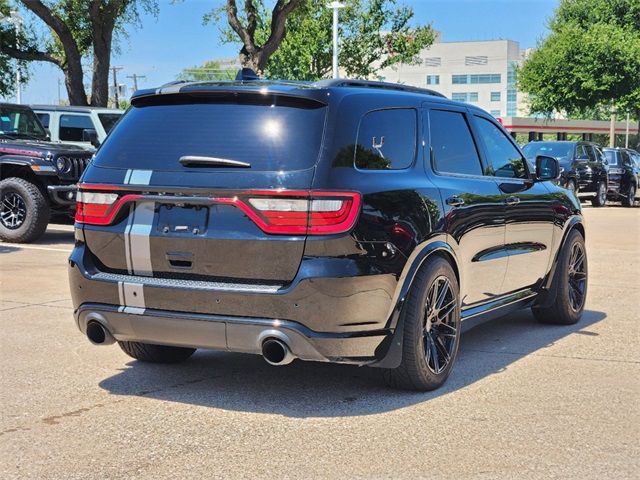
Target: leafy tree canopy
column 590, row 60
column 374, row 34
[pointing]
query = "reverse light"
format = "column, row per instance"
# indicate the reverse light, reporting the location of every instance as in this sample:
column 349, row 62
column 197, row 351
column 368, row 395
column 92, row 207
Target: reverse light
column 97, row 208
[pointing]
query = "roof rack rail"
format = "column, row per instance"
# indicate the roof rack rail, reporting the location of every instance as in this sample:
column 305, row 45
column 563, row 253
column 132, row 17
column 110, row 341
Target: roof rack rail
column 175, row 82
column 343, row 82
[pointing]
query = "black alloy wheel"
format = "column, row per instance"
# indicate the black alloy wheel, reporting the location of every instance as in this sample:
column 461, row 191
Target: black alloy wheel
column 601, row 195
column 13, row 210
column 629, row 199
column 431, row 329
column 440, row 332
column 571, row 186
column 577, row 277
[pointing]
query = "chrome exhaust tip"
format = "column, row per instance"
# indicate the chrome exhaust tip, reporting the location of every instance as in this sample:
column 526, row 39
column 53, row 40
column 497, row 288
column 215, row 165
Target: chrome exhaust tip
column 98, row 334
column 276, row 352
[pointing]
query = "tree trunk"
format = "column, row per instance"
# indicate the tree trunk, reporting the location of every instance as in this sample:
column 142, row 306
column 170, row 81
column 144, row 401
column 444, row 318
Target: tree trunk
column 101, row 64
column 73, row 79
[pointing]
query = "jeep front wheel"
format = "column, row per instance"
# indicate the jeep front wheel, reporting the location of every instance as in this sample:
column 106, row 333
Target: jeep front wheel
column 24, row 211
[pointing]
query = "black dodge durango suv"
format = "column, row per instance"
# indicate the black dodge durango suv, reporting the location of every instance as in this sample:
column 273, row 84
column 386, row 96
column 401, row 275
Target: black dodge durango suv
column 338, row 221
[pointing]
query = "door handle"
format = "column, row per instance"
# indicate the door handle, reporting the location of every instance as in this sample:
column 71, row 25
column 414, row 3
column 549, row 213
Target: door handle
column 512, row 200
column 454, row 201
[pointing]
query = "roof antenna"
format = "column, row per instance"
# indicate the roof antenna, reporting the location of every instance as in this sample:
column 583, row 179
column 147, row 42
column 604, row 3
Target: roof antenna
column 245, row 74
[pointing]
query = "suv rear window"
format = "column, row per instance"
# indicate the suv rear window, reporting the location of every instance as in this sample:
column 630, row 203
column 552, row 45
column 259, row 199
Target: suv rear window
column 269, row 133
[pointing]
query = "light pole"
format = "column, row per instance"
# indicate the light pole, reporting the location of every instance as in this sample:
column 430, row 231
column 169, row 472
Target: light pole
column 15, row 18
column 335, row 6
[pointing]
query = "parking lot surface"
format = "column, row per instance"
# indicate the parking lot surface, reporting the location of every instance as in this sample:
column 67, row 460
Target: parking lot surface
column 524, row 400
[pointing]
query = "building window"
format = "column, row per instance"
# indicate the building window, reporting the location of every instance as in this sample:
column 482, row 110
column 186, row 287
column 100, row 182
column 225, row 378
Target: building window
column 476, row 78
column 495, row 96
column 495, row 113
column 476, row 60
column 433, row 79
column 465, row 96
column 433, row 61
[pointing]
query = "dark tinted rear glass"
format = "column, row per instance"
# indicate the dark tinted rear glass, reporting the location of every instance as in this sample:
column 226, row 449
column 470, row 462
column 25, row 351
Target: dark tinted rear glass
column 560, row 151
column 387, row 139
column 263, row 132
column 454, row 150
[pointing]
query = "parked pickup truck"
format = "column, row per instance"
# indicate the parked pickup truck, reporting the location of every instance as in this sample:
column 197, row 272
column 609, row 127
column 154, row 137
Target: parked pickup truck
column 37, row 177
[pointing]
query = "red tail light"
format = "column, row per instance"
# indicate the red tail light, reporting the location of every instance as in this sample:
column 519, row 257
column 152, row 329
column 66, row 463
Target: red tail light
column 283, row 212
column 97, row 208
column 299, row 212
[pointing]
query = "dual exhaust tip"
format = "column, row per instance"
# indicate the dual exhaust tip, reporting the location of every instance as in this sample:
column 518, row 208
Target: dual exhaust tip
column 274, row 351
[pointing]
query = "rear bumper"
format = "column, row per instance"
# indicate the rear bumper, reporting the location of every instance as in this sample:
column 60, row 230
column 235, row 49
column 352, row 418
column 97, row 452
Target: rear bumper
column 235, row 334
column 324, row 315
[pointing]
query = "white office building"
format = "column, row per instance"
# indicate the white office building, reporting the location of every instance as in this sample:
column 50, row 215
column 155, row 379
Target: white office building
column 481, row 73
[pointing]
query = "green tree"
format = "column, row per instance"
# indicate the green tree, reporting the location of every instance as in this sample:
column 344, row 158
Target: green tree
column 77, row 30
column 589, row 62
column 208, row 71
column 374, row 34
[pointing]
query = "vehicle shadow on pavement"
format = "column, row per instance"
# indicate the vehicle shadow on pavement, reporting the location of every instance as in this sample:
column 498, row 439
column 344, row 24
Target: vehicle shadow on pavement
column 246, row 383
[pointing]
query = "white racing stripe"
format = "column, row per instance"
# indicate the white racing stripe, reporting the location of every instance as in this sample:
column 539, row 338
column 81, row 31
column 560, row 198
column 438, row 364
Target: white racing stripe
column 138, row 230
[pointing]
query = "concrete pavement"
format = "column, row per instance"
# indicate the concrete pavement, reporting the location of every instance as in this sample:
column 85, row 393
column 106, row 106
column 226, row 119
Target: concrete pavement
column 524, row 401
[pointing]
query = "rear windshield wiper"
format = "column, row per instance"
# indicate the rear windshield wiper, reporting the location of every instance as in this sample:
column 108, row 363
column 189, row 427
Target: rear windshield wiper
column 195, row 161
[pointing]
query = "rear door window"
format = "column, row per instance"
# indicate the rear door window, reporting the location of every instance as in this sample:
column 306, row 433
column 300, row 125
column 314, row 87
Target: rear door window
column 71, row 127
column 271, row 134
column 453, row 148
column 387, row 139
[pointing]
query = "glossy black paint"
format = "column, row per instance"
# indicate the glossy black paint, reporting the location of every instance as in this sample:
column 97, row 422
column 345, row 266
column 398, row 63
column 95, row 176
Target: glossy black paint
column 502, row 235
column 624, row 171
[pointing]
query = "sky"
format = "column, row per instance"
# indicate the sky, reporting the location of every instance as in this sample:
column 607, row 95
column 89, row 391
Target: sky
column 177, row 38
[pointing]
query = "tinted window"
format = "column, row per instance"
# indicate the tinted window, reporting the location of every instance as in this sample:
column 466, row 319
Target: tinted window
column 44, row 119
column 262, row 131
column 626, row 160
column 504, row 157
column 612, row 157
column 71, row 127
column 387, row 139
column 454, row 150
column 581, row 153
column 560, row 151
column 592, row 154
column 20, row 122
column 108, row 120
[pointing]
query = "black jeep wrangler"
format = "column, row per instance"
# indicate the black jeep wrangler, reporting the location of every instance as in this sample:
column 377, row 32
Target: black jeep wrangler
column 37, row 177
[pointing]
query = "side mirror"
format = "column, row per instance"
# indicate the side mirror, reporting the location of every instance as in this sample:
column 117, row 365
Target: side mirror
column 547, row 168
column 91, row 136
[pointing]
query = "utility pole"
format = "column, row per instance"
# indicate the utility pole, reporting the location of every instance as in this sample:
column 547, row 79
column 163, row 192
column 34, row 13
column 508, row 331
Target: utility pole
column 115, row 85
column 335, row 6
column 612, row 126
column 59, row 100
column 626, row 137
column 135, row 78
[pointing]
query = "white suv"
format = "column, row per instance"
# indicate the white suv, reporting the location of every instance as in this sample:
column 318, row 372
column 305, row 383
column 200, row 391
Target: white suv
column 85, row 126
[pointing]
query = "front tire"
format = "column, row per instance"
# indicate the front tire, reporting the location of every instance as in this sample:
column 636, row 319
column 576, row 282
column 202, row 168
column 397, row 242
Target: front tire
column 431, row 329
column 147, row 352
column 570, row 282
column 601, row 195
column 629, row 200
column 24, row 211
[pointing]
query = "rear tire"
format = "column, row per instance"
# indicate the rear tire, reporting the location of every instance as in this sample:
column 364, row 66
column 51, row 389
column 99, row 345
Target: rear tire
column 629, row 200
column 146, row 352
column 601, row 195
column 570, row 282
column 24, row 211
column 431, row 329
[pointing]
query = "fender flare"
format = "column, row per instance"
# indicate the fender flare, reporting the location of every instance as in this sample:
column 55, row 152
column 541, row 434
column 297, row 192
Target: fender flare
column 549, row 286
column 390, row 351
